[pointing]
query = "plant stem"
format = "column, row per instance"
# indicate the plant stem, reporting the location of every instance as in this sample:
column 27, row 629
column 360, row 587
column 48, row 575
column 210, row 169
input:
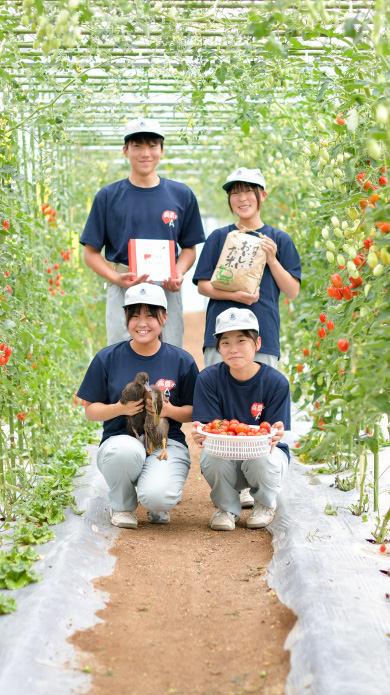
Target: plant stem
column 376, row 468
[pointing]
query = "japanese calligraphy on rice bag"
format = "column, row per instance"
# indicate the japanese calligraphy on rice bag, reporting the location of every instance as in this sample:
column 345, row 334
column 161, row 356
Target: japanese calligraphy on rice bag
column 241, row 263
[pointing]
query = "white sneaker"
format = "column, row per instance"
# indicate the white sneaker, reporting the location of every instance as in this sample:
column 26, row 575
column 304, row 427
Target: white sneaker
column 260, row 517
column 125, row 519
column 223, row 521
column 246, row 499
column 157, row 517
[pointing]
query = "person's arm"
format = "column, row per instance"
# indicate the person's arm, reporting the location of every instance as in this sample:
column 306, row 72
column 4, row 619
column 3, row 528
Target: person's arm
column 101, row 412
column 205, row 287
column 185, row 261
column 94, row 260
column 284, row 280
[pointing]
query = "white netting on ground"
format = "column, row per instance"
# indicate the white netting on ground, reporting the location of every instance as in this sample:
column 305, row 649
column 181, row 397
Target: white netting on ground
column 324, row 569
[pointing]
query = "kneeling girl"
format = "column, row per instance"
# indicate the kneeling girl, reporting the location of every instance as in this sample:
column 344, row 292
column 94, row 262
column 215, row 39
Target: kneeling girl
column 131, row 474
column 251, row 392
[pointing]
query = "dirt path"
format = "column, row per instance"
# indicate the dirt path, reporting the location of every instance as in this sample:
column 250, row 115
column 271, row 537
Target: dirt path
column 189, row 611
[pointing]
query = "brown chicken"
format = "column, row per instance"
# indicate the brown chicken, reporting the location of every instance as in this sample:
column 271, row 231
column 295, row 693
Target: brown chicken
column 135, row 424
column 156, row 427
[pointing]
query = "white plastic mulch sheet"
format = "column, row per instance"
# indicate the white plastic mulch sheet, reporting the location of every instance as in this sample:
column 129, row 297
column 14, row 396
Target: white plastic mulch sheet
column 324, row 569
column 35, row 658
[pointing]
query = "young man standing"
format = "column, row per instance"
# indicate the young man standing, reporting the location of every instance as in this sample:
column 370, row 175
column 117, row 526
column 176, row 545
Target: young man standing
column 142, row 206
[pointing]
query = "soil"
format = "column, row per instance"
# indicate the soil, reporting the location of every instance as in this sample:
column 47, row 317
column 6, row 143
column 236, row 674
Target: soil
column 188, row 610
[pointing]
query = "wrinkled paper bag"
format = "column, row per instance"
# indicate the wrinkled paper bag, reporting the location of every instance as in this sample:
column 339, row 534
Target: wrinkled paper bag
column 241, row 263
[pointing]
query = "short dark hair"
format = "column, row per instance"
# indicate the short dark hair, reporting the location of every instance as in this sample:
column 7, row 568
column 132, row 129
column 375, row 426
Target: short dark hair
column 158, row 312
column 238, row 186
column 248, row 332
column 147, row 138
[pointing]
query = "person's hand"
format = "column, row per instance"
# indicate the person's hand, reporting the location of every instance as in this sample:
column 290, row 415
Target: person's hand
column 132, row 407
column 279, row 427
column 173, row 285
column 270, row 249
column 197, row 436
column 246, row 297
column 129, row 279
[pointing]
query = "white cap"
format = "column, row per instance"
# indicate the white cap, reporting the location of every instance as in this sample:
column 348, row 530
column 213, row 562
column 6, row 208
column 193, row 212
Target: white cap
column 145, row 293
column 142, row 125
column 246, row 175
column 235, row 320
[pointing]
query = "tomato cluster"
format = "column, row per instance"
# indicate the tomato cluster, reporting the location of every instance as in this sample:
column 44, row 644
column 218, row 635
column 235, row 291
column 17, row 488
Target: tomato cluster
column 235, row 428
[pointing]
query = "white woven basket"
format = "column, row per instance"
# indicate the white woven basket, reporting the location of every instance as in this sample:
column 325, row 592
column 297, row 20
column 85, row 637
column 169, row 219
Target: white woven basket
column 236, row 448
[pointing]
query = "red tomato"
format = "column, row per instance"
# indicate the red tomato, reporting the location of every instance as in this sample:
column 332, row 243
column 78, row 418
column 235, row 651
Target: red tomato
column 251, row 434
column 367, row 243
column 206, row 430
column 231, row 433
column 299, row 367
column 322, row 318
column 330, row 325
column 233, row 423
column 306, row 351
column 321, row 332
column 265, row 426
column 343, row 345
column 355, row 282
column 331, row 292
column 336, row 280
column 338, row 295
column 359, row 260
column 225, row 423
column 347, row 294
column 241, row 428
column 214, row 431
column 216, row 424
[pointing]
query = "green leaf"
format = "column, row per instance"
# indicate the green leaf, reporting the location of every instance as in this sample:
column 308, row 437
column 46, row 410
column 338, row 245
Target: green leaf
column 7, row 604
column 245, row 127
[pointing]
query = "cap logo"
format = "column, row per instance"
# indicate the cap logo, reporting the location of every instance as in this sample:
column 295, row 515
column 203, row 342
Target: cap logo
column 232, row 316
column 142, row 123
column 142, row 291
column 239, row 172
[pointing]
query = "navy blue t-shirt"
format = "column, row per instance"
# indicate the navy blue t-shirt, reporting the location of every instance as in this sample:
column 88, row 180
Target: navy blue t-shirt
column 122, row 211
column 267, row 307
column 171, row 368
column 263, row 398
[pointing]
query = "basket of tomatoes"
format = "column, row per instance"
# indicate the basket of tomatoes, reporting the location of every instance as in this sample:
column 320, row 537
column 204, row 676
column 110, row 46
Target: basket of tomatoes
column 231, row 439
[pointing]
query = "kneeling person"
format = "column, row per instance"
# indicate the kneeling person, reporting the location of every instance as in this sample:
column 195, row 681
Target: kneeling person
column 251, row 392
column 133, row 474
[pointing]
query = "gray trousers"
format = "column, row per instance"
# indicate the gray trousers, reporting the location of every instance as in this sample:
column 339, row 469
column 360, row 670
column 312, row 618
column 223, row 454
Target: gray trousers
column 211, row 356
column 124, row 463
column 172, row 332
column 226, row 478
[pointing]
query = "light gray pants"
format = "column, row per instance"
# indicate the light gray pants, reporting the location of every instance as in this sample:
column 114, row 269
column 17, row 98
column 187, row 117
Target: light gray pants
column 124, row 463
column 226, row 478
column 116, row 324
column 211, row 356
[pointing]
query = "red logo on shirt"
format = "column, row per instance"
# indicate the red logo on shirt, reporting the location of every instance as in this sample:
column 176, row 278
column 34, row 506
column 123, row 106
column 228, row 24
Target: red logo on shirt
column 147, row 255
column 169, row 217
column 257, row 409
column 165, row 384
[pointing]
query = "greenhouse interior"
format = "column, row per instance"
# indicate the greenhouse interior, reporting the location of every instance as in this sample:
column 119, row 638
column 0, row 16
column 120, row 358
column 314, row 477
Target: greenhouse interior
column 283, row 103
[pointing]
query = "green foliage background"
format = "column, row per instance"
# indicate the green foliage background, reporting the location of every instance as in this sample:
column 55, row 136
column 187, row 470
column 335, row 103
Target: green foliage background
column 256, row 83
